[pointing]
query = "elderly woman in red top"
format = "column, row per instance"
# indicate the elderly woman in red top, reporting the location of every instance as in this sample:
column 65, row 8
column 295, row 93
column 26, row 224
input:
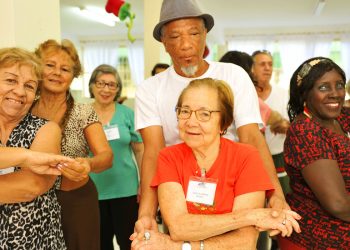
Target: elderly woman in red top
column 211, row 190
column 317, row 156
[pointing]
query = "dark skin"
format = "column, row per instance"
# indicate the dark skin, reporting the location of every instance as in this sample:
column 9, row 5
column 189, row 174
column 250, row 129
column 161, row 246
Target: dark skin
column 327, row 183
column 324, row 176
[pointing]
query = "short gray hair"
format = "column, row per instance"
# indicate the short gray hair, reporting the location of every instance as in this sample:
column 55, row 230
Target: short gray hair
column 105, row 69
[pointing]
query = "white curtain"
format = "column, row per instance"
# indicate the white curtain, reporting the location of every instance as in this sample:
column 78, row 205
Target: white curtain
column 294, row 49
column 95, row 53
column 136, row 61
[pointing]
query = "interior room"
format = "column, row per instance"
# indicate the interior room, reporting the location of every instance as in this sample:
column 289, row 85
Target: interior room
column 292, row 32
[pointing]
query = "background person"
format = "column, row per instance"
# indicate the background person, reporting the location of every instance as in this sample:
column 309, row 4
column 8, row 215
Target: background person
column 159, row 67
column 118, row 186
column 182, row 30
column 204, row 111
column 347, row 102
column 81, row 132
column 270, row 117
column 29, row 211
column 317, row 151
column 277, row 99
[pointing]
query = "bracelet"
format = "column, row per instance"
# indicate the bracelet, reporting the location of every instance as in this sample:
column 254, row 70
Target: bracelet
column 201, row 245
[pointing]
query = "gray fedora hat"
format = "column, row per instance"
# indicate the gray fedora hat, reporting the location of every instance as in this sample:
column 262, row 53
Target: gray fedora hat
column 179, row 9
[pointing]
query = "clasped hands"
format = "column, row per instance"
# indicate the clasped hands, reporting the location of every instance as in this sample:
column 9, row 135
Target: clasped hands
column 51, row 164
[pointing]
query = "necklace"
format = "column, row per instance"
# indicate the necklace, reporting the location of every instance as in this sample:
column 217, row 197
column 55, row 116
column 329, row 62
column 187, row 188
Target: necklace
column 308, row 114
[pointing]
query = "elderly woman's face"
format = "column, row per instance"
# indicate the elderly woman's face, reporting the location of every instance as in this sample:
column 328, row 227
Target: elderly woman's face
column 326, row 98
column 105, row 89
column 58, row 72
column 18, row 86
column 195, row 133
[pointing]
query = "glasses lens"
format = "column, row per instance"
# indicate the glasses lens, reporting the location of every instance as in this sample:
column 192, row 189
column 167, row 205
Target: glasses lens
column 183, row 113
column 203, row 115
column 112, row 85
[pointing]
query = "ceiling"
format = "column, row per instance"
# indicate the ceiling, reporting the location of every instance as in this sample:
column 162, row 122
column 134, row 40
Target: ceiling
column 232, row 17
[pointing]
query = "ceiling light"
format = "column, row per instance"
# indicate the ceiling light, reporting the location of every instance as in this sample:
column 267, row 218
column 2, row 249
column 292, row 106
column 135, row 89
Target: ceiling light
column 98, row 15
column 319, row 7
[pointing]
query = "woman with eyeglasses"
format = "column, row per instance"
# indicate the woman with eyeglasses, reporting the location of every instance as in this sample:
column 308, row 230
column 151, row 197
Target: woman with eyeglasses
column 81, row 132
column 211, row 190
column 118, row 186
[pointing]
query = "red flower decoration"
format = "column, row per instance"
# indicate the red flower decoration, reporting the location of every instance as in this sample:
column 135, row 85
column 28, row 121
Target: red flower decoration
column 113, row 6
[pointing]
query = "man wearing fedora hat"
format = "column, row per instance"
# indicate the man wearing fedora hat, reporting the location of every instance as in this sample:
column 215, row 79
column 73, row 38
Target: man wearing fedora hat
column 182, row 29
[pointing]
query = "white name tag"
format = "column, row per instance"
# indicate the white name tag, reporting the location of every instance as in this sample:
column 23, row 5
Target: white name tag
column 201, row 190
column 112, row 132
column 7, row 170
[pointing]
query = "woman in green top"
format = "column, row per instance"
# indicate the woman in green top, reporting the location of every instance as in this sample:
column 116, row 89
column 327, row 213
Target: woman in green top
column 118, row 186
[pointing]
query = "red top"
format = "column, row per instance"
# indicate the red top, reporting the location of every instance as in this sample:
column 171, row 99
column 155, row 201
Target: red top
column 305, row 143
column 238, row 169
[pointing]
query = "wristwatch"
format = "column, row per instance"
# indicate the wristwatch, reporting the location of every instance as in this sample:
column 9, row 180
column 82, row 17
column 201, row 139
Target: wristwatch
column 186, row 245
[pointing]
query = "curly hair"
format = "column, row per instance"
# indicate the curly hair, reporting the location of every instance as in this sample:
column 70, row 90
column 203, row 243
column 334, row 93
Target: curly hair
column 12, row 56
column 52, row 46
column 300, row 87
column 67, row 46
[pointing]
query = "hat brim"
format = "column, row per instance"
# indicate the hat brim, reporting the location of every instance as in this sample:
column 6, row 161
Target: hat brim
column 208, row 21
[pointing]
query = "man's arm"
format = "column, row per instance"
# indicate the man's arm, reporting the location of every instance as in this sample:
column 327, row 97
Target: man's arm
column 250, row 134
column 153, row 141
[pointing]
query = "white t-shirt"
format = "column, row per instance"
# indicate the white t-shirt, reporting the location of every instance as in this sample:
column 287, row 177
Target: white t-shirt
column 278, row 101
column 157, row 96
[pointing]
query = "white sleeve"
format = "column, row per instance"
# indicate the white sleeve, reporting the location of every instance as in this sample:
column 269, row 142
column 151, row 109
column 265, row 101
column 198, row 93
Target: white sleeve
column 246, row 103
column 146, row 111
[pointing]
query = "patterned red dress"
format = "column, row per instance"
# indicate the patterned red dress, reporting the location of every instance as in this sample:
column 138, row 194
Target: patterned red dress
column 307, row 142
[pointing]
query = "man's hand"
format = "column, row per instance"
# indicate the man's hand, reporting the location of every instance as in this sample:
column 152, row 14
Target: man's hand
column 280, row 127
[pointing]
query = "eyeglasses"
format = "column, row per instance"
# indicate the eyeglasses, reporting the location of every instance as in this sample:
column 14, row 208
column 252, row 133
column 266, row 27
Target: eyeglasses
column 102, row 84
column 202, row 115
column 264, row 51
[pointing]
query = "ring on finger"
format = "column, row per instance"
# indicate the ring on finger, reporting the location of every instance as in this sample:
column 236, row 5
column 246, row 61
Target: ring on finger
column 285, row 220
column 147, row 236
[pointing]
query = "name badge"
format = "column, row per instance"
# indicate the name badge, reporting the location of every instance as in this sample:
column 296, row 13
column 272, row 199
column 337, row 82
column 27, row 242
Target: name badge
column 7, row 170
column 112, row 132
column 201, row 190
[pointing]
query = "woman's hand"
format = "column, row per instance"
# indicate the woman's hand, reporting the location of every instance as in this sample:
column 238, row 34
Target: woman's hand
column 76, row 171
column 154, row 241
column 45, row 163
column 285, row 223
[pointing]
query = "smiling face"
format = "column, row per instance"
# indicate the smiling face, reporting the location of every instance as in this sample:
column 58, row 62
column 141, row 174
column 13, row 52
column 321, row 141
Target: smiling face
column 326, row 98
column 18, row 86
column 105, row 95
column 196, row 134
column 184, row 40
column 58, row 72
column 262, row 68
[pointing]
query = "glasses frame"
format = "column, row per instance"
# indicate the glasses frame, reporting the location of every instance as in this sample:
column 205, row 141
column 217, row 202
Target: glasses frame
column 177, row 109
column 101, row 85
